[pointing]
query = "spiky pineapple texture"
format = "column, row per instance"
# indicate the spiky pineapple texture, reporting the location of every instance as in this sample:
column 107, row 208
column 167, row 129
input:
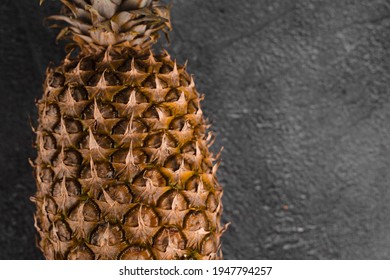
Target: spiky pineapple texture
column 123, row 169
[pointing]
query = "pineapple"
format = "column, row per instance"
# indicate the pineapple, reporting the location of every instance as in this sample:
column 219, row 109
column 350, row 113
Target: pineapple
column 123, row 167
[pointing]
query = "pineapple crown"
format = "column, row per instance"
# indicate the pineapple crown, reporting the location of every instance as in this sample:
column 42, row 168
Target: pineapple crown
column 94, row 25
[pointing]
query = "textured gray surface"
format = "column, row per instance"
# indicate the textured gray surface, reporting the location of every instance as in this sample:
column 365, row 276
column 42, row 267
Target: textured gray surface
column 298, row 94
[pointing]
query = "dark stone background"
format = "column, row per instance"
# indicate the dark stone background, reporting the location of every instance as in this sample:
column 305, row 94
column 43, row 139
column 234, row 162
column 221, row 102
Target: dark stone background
column 298, row 94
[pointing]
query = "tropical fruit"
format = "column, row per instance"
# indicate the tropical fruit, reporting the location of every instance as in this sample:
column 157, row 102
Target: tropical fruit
column 123, row 166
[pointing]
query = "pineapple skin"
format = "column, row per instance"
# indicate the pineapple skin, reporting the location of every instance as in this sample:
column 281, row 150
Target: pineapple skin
column 123, row 169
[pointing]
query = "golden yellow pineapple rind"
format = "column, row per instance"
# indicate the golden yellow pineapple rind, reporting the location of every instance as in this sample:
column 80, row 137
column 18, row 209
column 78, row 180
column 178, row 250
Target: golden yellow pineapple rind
column 124, row 169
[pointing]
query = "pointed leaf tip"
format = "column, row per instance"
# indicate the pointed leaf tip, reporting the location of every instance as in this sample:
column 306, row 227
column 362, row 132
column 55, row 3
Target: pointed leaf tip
column 41, row 2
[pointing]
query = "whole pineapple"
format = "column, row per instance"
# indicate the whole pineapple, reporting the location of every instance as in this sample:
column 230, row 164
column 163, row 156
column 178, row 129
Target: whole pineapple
column 123, row 169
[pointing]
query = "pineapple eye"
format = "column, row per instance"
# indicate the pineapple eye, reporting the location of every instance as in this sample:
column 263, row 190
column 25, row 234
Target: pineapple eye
column 87, row 64
column 120, row 128
column 208, row 245
column 104, row 141
column 119, row 193
column 79, row 94
column 52, row 110
column 173, row 95
column 106, row 235
column 193, row 183
column 91, row 211
column 149, row 217
column 121, row 155
column 156, row 177
column 189, row 148
column 70, row 65
column 50, row 205
column 102, row 169
column 151, row 112
column 192, row 107
column 135, row 253
column 73, row 188
column 93, row 81
column 145, row 213
column 124, row 95
column 177, row 124
column 71, row 126
column 139, row 181
column 81, row 252
column 195, row 221
column 212, row 203
column 106, row 110
column 56, row 80
column 131, row 218
column 136, row 127
column 49, row 142
column 166, row 200
column 150, row 82
column 173, row 200
column 46, row 175
column 72, row 158
column 172, row 163
column 125, row 67
column 169, row 237
column 165, row 69
column 154, row 140
column 111, row 79
column 62, row 230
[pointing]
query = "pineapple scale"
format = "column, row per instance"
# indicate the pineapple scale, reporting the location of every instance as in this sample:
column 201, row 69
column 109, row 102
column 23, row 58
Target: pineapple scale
column 123, row 167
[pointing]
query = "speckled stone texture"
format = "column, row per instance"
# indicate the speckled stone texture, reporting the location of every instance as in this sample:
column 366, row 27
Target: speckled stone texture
column 298, row 94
